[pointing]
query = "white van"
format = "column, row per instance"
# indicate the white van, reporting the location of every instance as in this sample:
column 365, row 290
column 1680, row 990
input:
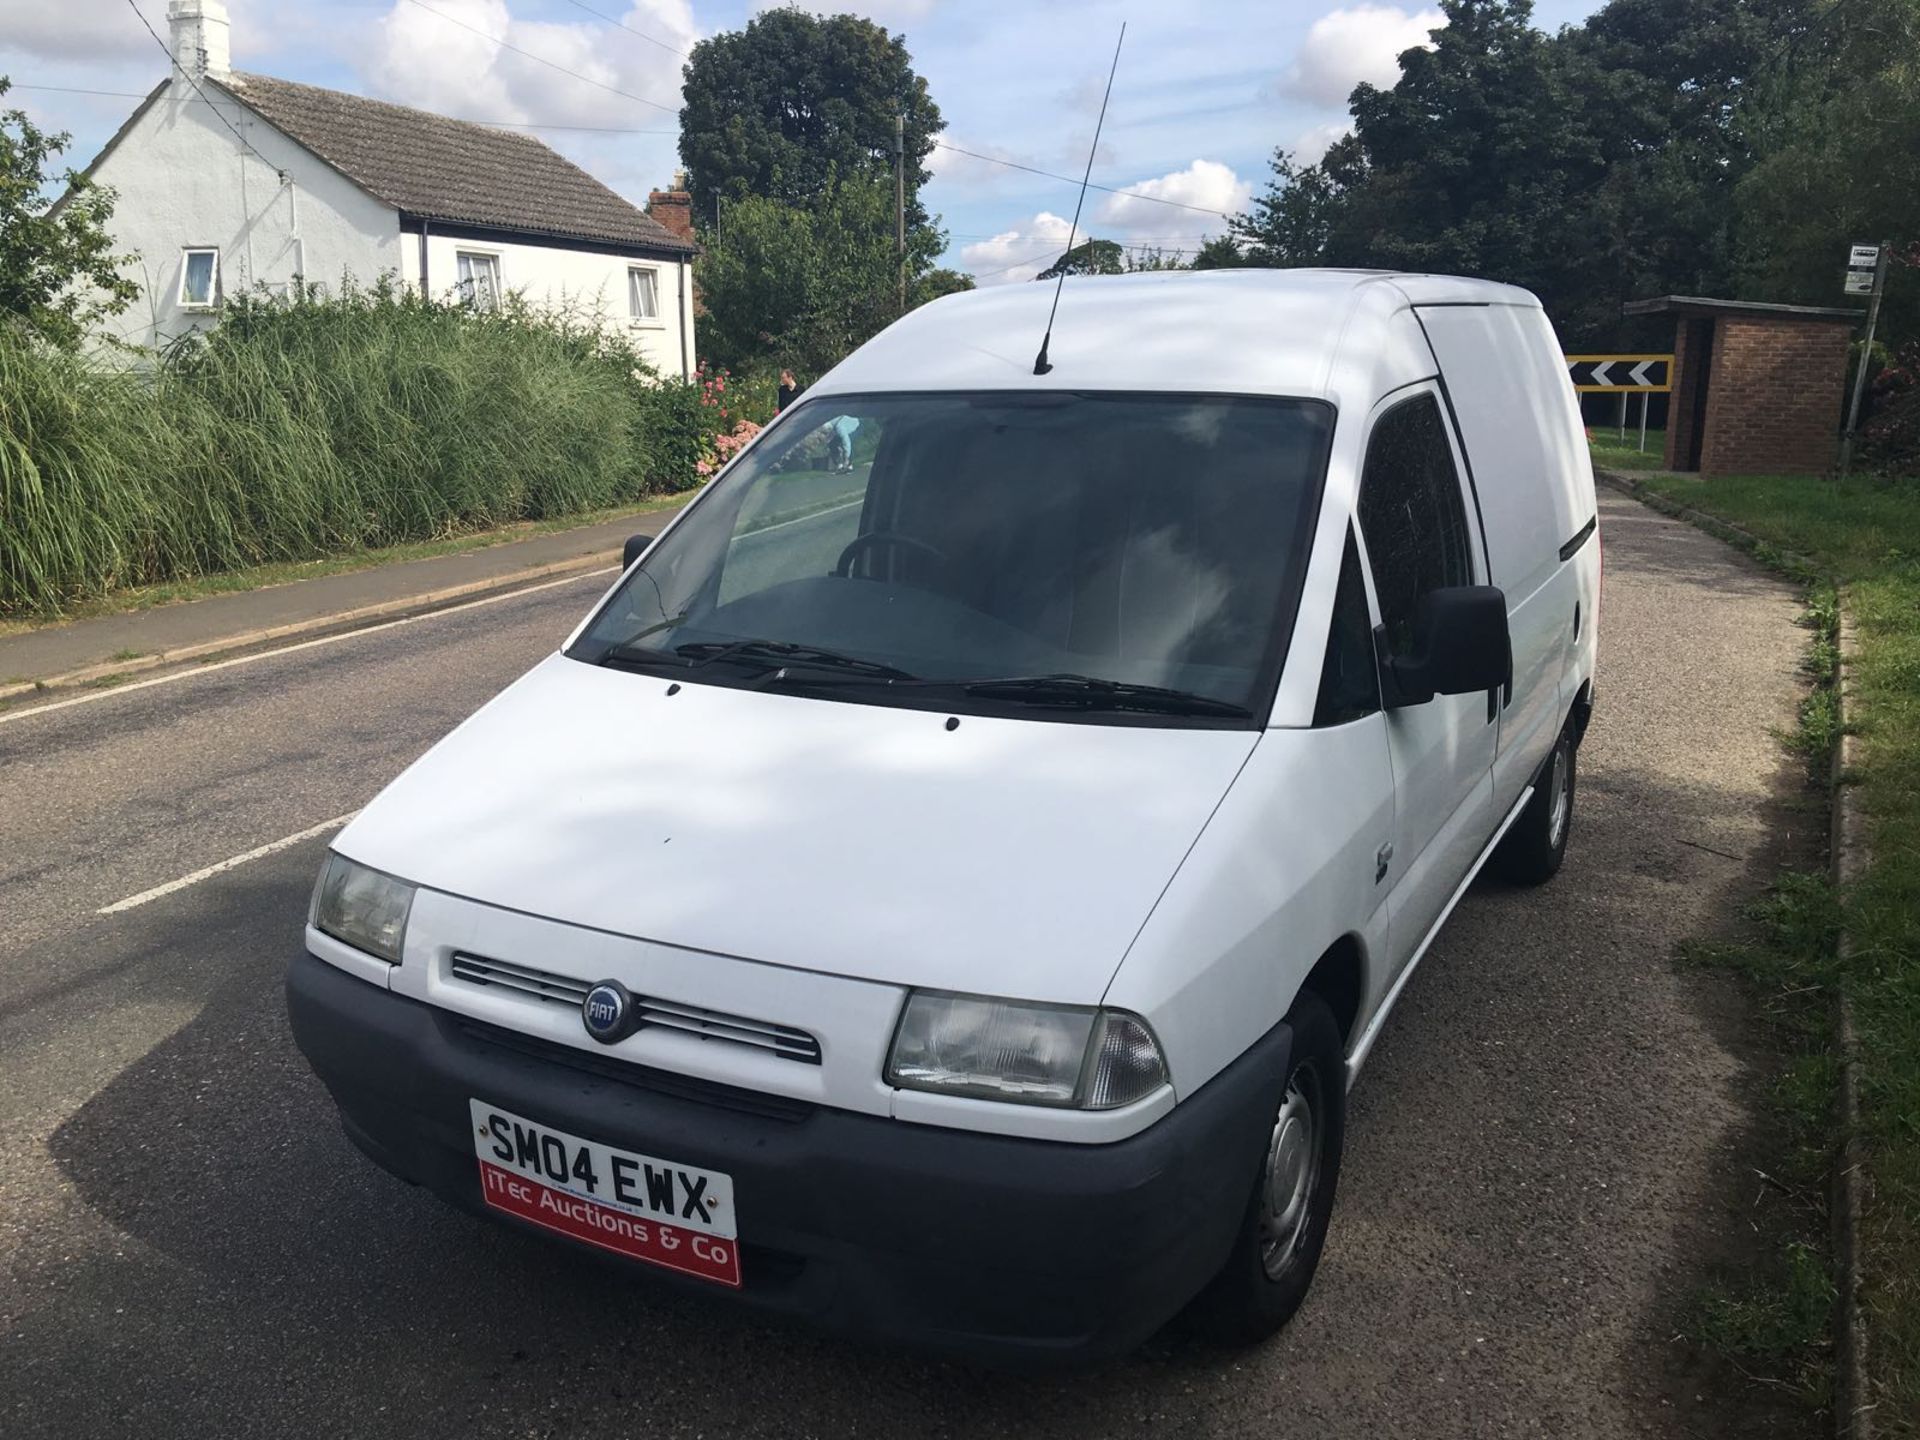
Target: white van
column 947, row 886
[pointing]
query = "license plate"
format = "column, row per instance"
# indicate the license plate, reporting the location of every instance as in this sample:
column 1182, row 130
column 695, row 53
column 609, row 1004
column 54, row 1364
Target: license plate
column 635, row 1205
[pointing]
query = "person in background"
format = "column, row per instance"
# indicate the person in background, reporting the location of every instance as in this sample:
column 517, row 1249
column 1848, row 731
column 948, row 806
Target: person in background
column 840, row 443
column 788, row 389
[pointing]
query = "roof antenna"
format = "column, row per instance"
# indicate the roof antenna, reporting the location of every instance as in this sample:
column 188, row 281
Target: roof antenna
column 1041, row 365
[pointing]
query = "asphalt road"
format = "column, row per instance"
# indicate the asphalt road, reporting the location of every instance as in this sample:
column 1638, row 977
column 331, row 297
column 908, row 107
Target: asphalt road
column 1543, row 1157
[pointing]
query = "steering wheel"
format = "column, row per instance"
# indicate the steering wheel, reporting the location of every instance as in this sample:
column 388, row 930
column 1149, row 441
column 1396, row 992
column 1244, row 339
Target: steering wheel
column 843, row 567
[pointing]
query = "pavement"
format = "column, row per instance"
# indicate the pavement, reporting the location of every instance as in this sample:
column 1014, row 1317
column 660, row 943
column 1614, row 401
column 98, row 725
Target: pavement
column 218, row 624
column 1549, row 1153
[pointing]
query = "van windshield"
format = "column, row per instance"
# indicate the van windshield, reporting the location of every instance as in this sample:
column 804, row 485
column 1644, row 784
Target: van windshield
column 1114, row 557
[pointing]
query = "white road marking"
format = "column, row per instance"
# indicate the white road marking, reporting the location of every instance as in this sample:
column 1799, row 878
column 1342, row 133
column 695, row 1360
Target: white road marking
column 803, row 519
column 172, row 676
column 232, row 863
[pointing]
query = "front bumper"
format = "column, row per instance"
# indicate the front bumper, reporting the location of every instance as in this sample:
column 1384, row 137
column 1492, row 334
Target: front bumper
column 981, row 1245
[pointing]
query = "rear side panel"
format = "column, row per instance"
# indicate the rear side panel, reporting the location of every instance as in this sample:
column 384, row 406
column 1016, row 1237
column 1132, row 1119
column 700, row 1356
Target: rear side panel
column 1521, row 430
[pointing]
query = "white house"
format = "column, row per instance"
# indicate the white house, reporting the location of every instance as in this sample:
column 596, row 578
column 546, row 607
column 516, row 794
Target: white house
column 227, row 181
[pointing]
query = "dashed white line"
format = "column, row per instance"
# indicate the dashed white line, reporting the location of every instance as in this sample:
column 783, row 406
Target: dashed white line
column 232, row 863
column 172, row 676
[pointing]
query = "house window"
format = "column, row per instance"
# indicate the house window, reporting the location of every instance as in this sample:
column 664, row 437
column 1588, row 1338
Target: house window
column 199, row 278
column 643, row 293
column 480, row 279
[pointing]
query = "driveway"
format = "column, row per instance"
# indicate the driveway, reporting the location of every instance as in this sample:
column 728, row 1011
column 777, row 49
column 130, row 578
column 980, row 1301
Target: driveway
column 1544, row 1156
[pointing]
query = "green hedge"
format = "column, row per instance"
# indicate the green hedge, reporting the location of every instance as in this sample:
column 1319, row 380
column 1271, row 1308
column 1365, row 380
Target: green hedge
column 308, row 427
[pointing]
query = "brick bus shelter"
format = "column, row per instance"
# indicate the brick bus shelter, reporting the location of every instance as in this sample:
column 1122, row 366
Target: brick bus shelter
column 1757, row 389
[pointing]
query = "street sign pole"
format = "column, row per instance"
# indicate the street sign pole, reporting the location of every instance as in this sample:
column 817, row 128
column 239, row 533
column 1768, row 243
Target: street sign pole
column 1646, row 399
column 1866, row 354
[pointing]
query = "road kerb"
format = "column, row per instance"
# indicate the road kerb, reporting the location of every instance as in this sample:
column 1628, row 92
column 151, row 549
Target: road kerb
column 1853, row 1400
column 398, row 608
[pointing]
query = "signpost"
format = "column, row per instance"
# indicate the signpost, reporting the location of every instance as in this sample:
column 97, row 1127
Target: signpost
column 1623, row 375
column 1866, row 275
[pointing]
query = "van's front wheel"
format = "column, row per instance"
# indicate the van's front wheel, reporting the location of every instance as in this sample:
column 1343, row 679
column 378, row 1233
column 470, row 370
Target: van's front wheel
column 1285, row 1225
column 1531, row 851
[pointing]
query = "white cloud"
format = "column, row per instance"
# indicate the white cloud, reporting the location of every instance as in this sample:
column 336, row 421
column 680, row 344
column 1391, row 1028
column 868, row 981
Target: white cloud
column 954, row 167
column 1206, row 184
column 1019, row 253
column 420, row 58
column 106, row 32
column 1312, row 146
column 1351, row 44
column 83, row 29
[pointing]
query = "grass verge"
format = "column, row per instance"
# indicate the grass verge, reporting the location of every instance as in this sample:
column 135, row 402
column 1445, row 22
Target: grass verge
column 1865, row 533
column 258, row 577
column 1617, row 454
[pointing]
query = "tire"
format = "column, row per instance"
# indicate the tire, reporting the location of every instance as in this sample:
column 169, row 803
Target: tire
column 1533, row 848
column 1267, row 1274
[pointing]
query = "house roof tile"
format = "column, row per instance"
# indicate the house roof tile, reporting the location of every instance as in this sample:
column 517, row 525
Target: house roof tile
column 453, row 171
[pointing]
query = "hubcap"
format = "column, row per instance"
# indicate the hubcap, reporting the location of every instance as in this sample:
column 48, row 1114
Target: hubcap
column 1562, row 800
column 1293, row 1167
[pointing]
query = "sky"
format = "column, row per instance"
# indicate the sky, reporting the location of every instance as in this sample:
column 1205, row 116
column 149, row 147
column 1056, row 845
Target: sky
column 1203, row 96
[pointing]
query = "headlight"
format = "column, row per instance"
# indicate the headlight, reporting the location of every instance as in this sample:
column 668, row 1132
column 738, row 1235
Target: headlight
column 364, row 908
column 1063, row 1055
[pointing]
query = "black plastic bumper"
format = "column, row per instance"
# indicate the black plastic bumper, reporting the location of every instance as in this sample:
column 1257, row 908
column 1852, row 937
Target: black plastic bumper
column 983, row 1245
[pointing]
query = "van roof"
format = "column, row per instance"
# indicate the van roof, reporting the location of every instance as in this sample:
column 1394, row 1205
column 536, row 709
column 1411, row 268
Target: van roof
column 1239, row 331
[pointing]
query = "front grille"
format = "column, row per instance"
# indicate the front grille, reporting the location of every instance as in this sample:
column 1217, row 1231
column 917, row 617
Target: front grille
column 787, row 1041
column 641, row 1077
column 540, row 984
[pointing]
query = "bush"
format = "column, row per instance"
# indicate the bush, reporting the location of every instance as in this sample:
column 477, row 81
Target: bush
column 1890, row 435
column 302, row 427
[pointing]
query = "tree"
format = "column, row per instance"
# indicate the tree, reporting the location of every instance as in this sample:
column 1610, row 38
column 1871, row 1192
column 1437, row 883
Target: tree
column 1222, row 252
column 58, row 272
column 935, row 283
column 794, row 102
column 1292, row 222
column 793, row 286
column 1089, row 257
column 1477, row 161
column 1838, row 134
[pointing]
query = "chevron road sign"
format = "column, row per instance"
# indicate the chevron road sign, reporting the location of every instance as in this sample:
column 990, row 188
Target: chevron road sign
column 1622, row 374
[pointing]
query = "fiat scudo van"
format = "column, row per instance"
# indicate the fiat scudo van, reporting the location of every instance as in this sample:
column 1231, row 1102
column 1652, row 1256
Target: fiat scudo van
column 947, row 886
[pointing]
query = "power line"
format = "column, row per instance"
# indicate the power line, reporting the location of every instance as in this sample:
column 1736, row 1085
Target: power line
column 537, row 59
column 1018, row 264
column 651, row 39
column 195, row 86
column 463, row 119
column 584, row 129
column 1006, row 235
column 77, row 90
column 1068, row 179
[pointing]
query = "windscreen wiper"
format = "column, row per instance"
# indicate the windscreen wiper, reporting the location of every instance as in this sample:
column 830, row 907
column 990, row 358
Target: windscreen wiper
column 1089, row 692
column 781, row 655
column 640, row 657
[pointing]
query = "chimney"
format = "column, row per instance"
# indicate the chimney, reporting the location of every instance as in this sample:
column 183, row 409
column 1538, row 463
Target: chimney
column 198, row 37
column 673, row 208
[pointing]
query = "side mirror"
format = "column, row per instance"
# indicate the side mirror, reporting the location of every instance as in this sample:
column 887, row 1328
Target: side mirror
column 1460, row 645
column 635, row 547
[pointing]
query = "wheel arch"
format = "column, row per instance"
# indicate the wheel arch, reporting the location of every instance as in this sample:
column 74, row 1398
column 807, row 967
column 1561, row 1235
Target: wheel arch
column 1339, row 977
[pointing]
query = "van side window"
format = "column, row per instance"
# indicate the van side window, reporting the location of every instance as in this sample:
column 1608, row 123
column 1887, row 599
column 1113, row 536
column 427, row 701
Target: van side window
column 1349, row 680
column 1412, row 515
